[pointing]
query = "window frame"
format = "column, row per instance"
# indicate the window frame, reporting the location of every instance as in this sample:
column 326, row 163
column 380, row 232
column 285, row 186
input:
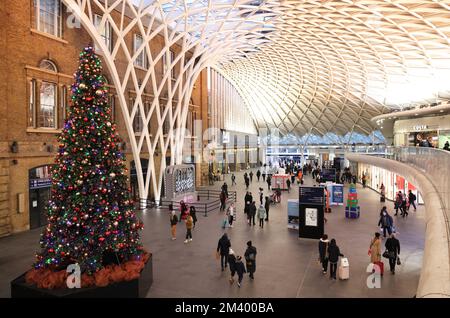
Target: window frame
column 57, row 19
column 107, row 35
column 55, row 105
column 144, row 65
column 172, row 69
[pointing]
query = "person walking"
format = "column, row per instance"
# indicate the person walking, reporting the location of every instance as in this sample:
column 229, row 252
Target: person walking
column 403, row 208
column 375, row 249
column 323, row 252
column 253, row 212
column 189, row 225
column 232, row 265
column 248, row 197
column 386, row 222
column 398, row 203
column 383, row 193
column 393, row 248
column 250, row 259
column 261, row 215
column 225, row 189
column 223, row 247
column 261, row 195
column 267, row 207
column 193, row 213
column 264, row 176
column 230, row 213
column 251, row 176
column 412, row 200
column 333, row 257
column 240, row 270
column 173, row 224
column 223, row 199
column 269, row 182
column 233, row 179
column 258, row 174
column 288, row 183
column 446, row 146
column 247, row 182
column 247, row 210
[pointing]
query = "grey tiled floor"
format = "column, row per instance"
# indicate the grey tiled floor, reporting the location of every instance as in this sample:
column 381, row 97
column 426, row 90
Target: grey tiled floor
column 286, row 265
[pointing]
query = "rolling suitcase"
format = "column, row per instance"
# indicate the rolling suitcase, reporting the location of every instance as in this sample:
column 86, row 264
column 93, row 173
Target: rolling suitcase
column 380, row 266
column 344, row 269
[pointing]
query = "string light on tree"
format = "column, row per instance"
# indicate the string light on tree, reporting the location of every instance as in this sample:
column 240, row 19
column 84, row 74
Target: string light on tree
column 90, row 213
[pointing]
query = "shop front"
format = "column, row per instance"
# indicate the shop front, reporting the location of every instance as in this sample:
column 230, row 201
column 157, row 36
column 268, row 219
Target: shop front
column 422, row 131
column 39, row 194
column 392, row 182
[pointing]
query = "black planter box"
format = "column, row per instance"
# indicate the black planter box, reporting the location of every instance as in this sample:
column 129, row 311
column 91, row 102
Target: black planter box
column 137, row 288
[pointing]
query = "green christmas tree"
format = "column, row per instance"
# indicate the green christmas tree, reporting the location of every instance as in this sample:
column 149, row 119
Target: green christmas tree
column 90, row 214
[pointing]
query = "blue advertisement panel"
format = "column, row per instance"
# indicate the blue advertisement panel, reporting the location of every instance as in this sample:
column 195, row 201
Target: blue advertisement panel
column 338, row 194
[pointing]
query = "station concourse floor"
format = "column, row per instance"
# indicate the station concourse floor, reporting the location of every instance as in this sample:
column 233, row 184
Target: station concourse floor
column 286, row 266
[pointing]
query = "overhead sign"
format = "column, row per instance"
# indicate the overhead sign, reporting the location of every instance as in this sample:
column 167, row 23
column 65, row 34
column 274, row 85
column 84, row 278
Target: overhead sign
column 312, row 195
column 420, row 127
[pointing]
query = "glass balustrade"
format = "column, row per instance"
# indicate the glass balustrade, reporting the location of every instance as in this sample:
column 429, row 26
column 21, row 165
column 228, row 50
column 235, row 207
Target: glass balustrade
column 435, row 163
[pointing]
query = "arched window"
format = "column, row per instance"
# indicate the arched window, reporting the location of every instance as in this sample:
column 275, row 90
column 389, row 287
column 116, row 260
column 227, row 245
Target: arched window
column 48, row 65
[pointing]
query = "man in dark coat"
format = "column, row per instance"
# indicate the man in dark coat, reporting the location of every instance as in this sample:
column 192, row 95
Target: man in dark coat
column 223, row 247
column 253, row 211
column 393, row 247
column 240, row 269
column 223, row 200
column 250, row 259
column 267, row 207
column 258, row 174
column 225, row 189
column 386, row 222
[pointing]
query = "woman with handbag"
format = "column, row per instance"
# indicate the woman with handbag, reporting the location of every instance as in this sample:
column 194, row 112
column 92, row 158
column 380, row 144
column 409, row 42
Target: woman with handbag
column 375, row 252
column 393, row 250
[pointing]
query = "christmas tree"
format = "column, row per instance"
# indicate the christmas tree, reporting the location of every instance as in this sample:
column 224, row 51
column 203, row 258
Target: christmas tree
column 90, row 215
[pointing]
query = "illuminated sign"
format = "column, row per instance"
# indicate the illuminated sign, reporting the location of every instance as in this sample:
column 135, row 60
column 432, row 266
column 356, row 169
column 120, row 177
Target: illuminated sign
column 420, row 127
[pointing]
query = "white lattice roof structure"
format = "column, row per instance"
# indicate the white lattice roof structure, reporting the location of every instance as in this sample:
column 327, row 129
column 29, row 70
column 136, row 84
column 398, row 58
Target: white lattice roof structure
column 303, row 67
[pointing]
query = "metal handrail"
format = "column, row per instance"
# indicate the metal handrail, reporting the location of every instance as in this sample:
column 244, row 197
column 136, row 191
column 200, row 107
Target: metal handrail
column 434, row 162
column 202, row 207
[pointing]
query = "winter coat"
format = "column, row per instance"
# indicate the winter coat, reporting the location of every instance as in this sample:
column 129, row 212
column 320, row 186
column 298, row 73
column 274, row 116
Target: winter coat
column 252, row 210
column 251, row 264
column 247, row 209
column 334, row 253
column 224, row 245
column 323, row 246
column 189, row 222
column 240, row 268
column 393, row 245
column 267, row 206
column 258, row 173
column 248, row 198
column 262, row 213
column 173, row 220
column 385, row 221
column 375, row 250
column 194, row 216
column 411, row 197
column 232, row 262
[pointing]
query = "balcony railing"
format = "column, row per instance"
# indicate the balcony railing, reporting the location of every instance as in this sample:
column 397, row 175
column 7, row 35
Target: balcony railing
column 433, row 162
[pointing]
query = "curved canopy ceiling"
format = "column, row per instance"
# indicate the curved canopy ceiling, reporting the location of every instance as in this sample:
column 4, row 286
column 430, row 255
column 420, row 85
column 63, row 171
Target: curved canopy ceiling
column 324, row 66
column 333, row 65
